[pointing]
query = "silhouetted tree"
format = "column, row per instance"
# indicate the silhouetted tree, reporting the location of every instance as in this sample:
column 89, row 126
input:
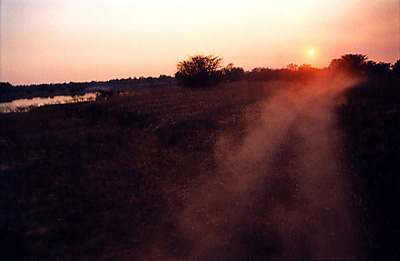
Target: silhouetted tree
column 233, row 74
column 381, row 69
column 396, row 68
column 262, row 74
column 199, row 71
column 353, row 63
column 306, row 72
column 5, row 87
column 292, row 67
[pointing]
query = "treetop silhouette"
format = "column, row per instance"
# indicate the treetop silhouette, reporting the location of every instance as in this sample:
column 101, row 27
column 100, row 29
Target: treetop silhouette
column 199, row 71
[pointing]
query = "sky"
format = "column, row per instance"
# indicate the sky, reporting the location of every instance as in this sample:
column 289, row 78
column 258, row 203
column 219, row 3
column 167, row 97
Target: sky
column 56, row 41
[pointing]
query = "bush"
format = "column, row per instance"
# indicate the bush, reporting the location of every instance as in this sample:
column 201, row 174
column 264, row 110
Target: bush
column 199, row 71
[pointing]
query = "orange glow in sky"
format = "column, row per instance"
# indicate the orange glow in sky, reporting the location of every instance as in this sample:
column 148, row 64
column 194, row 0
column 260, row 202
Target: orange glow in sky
column 45, row 41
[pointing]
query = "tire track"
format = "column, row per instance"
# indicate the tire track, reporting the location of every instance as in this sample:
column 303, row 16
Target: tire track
column 283, row 194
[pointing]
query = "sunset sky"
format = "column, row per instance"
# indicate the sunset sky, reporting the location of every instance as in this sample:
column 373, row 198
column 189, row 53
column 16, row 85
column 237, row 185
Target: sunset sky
column 49, row 41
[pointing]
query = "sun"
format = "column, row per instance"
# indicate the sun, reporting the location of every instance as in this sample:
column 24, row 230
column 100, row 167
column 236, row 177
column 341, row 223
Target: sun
column 311, row 52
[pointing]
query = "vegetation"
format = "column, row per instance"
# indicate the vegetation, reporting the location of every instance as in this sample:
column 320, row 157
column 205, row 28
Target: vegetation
column 202, row 71
column 232, row 73
column 371, row 119
column 351, row 63
column 9, row 92
column 359, row 65
column 199, row 71
column 88, row 180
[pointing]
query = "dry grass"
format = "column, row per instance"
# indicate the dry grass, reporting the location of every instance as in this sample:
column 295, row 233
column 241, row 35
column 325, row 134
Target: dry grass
column 88, row 180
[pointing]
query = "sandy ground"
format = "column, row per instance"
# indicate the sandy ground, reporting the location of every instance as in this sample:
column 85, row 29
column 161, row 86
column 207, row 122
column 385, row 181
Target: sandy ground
column 282, row 193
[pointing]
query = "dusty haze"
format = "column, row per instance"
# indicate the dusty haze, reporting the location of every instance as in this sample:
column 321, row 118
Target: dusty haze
column 280, row 192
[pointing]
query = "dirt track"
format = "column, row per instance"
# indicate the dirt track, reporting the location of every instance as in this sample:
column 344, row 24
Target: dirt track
column 282, row 193
column 245, row 171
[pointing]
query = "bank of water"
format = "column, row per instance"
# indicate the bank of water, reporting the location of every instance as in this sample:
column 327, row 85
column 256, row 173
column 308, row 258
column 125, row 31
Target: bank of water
column 23, row 105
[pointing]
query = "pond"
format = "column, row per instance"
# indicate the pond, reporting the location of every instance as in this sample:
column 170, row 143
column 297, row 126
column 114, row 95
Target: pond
column 23, row 105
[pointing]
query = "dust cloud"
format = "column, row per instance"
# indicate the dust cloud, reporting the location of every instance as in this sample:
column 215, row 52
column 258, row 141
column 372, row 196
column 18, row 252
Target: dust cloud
column 283, row 193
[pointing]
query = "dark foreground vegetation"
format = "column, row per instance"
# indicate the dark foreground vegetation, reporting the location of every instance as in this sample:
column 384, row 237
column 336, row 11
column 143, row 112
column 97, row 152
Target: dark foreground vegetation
column 371, row 120
column 88, row 180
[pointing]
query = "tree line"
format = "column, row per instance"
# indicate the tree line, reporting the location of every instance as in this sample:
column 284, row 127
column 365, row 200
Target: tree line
column 9, row 92
column 207, row 70
column 202, row 70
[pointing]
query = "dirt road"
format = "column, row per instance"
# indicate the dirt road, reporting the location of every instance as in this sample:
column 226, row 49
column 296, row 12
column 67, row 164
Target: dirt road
column 282, row 193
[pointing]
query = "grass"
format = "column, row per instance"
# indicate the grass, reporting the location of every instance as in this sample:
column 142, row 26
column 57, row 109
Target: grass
column 371, row 120
column 88, row 180
column 97, row 180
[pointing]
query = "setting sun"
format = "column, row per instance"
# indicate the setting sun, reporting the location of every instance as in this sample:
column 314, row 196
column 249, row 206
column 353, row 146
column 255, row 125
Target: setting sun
column 54, row 41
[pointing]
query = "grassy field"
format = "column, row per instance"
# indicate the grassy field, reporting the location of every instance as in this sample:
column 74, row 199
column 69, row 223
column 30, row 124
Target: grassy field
column 88, row 180
column 103, row 179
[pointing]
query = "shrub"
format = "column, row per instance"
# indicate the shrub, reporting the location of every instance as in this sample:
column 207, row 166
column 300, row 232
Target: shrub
column 199, row 71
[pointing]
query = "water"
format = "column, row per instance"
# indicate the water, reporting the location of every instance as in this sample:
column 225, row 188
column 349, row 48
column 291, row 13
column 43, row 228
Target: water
column 23, row 105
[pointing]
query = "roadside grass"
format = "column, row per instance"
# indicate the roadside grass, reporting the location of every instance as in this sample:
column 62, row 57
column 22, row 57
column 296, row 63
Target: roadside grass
column 371, row 120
